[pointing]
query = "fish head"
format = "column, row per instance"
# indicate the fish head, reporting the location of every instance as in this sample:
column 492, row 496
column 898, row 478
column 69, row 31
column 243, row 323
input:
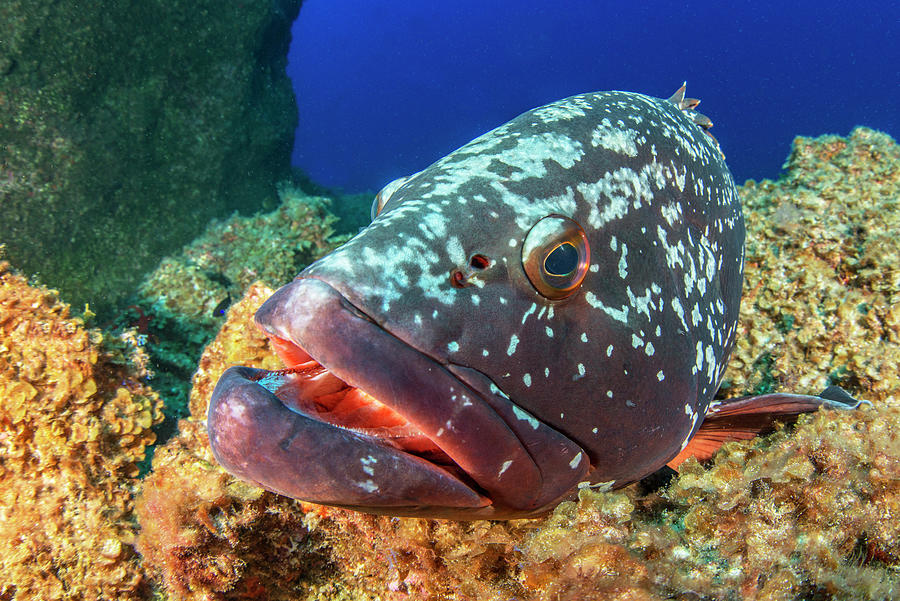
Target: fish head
column 514, row 322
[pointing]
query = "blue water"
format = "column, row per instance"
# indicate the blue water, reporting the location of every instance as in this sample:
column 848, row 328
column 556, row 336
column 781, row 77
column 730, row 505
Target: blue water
column 386, row 88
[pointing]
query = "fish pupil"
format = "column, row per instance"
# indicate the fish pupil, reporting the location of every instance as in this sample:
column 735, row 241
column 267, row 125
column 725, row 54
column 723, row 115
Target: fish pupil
column 562, row 260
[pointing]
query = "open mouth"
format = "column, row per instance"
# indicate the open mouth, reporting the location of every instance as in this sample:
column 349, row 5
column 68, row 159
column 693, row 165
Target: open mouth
column 310, row 389
column 359, row 418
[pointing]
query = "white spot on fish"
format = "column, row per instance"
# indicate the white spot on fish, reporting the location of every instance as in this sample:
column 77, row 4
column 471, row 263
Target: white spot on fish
column 623, row 262
column 453, row 346
column 525, row 417
column 528, row 312
column 368, row 486
column 527, row 379
column 506, row 464
column 620, row 315
column 513, row 343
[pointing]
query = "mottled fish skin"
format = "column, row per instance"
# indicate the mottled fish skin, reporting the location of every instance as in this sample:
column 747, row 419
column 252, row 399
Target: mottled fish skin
column 628, row 365
column 622, row 370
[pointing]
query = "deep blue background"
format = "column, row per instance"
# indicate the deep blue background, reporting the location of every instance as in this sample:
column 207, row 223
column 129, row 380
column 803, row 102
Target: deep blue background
column 387, row 87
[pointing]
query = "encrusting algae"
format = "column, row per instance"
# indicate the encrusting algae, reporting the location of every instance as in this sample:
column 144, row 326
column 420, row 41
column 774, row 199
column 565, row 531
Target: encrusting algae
column 809, row 512
column 232, row 254
column 75, row 420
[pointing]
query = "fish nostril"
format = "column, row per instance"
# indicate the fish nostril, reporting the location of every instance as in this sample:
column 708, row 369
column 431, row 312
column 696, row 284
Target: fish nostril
column 458, row 279
column 479, row 262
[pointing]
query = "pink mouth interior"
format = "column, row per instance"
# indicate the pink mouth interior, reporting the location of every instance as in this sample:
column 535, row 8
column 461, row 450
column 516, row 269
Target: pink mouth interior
column 309, row 388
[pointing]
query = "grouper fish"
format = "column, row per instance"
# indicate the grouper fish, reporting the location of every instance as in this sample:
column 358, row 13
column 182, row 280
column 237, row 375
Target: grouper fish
column 549, row 307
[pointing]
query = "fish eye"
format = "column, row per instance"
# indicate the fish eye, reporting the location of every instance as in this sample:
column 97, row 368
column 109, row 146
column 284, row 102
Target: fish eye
column 555, row 256
column 385, row 194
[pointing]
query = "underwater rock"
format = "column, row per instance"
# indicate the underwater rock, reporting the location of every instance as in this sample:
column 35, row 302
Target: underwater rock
column 130, row 126
column 75, row 419
column 821, row 300
column 194, row 287
column 803, row 513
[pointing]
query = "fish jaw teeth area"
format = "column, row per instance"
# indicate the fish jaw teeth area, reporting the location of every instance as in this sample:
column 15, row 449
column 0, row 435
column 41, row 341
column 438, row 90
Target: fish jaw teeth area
column 305, row 386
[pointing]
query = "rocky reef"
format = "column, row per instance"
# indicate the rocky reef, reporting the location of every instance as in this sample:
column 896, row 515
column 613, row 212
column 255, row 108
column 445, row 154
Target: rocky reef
column 806, row 512
column 127, row 126
column 75, row 419
column 821, row 301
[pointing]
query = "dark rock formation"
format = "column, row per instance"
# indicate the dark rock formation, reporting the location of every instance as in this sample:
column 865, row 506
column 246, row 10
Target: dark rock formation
column 125, row 126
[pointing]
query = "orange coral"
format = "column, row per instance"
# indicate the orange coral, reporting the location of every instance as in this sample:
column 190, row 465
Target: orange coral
column 73, row 425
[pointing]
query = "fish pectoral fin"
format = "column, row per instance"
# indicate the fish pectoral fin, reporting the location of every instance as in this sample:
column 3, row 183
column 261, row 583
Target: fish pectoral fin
column 708, row 440
column 747, row 417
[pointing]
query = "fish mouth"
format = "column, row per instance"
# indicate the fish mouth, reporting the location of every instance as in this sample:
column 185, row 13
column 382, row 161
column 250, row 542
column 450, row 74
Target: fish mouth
column 361, row 419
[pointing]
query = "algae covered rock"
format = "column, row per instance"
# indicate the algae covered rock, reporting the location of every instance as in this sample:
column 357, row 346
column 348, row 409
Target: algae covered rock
column 75, row 420
column 127, row 126
column 821, row 300
column 203, row 532
column 805, row 513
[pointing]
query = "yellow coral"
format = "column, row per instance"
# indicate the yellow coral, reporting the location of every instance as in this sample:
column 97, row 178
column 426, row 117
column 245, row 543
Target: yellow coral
column 72, row 429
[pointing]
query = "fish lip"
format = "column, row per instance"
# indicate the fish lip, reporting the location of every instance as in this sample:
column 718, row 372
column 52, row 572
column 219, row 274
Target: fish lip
column 318, row 319
column 259, row 439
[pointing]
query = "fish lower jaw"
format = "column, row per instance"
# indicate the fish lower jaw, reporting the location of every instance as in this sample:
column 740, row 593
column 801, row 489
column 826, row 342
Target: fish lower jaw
column 308, row 388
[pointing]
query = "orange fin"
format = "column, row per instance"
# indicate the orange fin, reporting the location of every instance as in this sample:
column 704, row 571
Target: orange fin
column 747, row 417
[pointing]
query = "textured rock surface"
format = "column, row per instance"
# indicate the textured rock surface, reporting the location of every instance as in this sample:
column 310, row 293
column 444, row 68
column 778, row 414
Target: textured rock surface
column 75, row 420
column 125, row 127
column 805, row 513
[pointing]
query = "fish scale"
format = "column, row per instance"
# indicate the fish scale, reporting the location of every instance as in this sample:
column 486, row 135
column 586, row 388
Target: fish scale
column 599, row 372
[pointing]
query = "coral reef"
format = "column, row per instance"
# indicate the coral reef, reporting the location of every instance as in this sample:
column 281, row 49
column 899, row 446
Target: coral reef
column 807, row 512
column 75, row 419
column 130, row 126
